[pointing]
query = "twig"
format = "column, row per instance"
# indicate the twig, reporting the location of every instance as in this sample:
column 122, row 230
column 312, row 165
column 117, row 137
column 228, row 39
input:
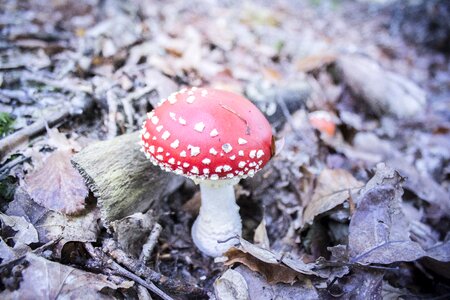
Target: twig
column 64, row 84
column 111, row 100
column 140, row 269
column 147, row 248
column 12, row 141
column 37, row 251
column 119, row 270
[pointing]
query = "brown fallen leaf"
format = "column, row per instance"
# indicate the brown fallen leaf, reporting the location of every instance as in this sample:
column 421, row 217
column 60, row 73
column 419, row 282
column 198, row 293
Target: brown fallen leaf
column 280, row 268
column 333, row 188
column 253, row 285
column 44, row 279
column 57, row 185
column 314, row 62
column 52, row 225
column 274, row 273
column 378, row 231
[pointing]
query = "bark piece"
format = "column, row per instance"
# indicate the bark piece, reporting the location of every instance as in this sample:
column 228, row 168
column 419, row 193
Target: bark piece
column 382, row 90
column 122, row 178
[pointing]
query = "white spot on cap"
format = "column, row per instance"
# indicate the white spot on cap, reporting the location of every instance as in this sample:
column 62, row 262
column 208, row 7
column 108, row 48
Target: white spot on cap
column 173, row 116
column 185, row 164
column 204, row 93
column 172, row 99
column 206, row 161
column 219, row 169
column 159, row 128
column 190, row 99
column 183, row 153
column 251, row 172
column 175, row 144
column 230, row 175
column 241, row 141
column 194, row 150
column 252, row 153
column 213, row 151
column 259, row 153
column 214, row 177
column 152, row 149
column 146, row 135
column 171, row 160
column 205, row 171
column 241, row 152
column 199, row 127
column 154, row 138
column 233, row 157
column 194, row 88
column 194, row 170
column 155, row 120
column 160, row 157
column 150, row 115
column 242, row 164
column 226, row 168
column 160, row 149
column 214, row 133
column 181, row 121
column 227, row 148
column 165, row 135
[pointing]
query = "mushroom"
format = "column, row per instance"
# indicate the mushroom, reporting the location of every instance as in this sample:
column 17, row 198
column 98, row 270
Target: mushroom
column 323, row 121
column 214, row 137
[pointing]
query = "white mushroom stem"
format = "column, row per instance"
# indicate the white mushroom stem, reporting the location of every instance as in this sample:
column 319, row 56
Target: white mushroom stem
column 219, row 219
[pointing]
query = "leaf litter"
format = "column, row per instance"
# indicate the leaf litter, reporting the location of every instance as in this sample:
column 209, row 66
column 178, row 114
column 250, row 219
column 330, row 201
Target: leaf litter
column 327, row 219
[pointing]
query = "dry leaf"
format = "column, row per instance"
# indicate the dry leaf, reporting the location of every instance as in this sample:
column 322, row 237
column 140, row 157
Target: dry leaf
column 231, row 285
column 81, row 228
column 378, row 231
column 333, row 188
column 260, row 289
column 274, row 273
column 25, row 233
column 51, row 225
column 44, row 279
column 57, row 185
column 260, row 237
column 132, row 232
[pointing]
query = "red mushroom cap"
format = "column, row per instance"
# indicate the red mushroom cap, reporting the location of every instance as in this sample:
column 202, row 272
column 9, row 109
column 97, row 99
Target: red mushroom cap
column 323, row 121
column 207, row 133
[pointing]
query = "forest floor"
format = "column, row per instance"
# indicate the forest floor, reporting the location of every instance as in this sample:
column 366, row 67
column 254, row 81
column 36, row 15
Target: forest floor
column 359, row 208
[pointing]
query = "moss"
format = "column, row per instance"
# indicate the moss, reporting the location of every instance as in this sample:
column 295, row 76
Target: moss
column 6, row 122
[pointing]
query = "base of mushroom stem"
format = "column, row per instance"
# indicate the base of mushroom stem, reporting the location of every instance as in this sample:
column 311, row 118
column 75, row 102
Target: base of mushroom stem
column 212, row 242
column 218, row 221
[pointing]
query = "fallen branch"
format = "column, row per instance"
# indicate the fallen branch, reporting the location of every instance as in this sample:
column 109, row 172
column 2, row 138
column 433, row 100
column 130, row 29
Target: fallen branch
column 98, row 255
column 12, row 141
column 141, row 270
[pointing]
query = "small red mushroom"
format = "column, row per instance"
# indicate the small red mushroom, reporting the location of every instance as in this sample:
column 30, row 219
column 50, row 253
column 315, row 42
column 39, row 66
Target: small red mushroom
column 323, row 121
column 216, row 138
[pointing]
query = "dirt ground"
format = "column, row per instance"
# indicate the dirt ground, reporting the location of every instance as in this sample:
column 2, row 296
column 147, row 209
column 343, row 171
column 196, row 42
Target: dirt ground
column 355, row 203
